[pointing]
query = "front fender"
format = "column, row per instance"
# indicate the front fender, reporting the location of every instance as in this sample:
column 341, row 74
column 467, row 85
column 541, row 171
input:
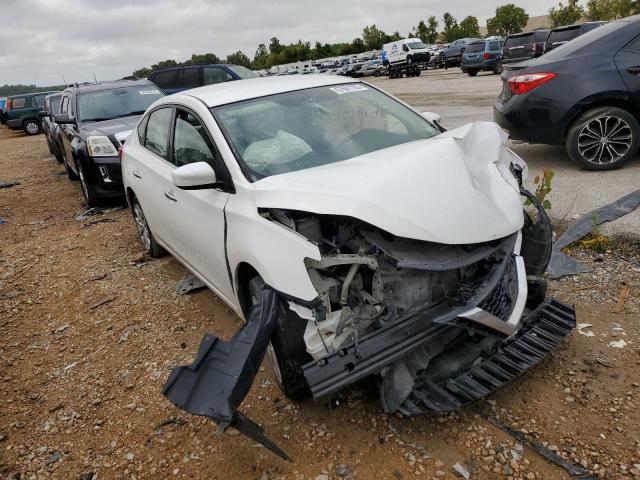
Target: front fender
column 276, row 252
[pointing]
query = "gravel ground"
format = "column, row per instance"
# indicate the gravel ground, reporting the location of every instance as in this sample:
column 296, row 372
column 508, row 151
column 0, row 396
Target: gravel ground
column 90, row 330
column 461, row 99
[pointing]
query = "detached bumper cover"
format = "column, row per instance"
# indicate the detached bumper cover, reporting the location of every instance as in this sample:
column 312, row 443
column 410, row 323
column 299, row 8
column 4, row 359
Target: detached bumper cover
column 217, row 381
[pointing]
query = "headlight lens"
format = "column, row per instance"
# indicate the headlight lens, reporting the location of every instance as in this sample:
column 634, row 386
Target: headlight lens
column 101, row 146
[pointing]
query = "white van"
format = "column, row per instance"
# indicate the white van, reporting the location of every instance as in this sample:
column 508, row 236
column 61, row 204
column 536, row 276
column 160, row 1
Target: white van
column 408, row 50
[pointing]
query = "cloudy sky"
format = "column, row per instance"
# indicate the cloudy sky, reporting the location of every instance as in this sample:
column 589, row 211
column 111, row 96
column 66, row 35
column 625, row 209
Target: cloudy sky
column 43, row 40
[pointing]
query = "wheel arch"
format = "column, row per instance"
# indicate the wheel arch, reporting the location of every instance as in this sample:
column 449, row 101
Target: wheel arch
column 245, row 272
column 619, row 101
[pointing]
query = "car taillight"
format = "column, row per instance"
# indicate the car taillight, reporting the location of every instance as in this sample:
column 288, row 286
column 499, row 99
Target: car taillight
column 485, row 56
column 120, row 154
column 525, row 83
column 8, row 106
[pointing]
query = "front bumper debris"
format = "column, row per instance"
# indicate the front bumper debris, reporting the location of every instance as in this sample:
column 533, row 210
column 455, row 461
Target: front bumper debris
column 220, row 377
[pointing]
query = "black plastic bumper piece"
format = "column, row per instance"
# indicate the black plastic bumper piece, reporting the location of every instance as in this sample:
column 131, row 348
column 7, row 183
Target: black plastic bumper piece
column 220, row 377
column 544, row 329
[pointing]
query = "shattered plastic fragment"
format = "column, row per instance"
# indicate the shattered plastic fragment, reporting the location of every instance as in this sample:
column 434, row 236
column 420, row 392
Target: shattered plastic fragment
column 618, row 344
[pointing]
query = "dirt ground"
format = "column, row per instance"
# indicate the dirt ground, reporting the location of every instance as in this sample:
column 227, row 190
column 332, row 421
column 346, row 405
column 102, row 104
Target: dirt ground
column 89, row 330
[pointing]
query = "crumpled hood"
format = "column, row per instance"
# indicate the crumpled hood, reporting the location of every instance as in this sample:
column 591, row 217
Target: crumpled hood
column 455, row 188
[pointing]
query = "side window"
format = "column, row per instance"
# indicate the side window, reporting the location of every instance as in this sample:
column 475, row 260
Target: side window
column 64, row 106
column 157, row 136
column 165, row 79
column 191, row 78
column 47, row 106
column 20, row 102
column 142, row 128
column 38, row 101
column 404, row 47
column 634, row 46
column 215, row 75
column 191, row 143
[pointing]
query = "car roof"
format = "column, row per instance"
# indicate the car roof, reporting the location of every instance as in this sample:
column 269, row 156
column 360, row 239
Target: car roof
column 96, row 87
column 31, row 94
column 542, row 30
column 53, row 95
column 230, row 92
column 182, row 67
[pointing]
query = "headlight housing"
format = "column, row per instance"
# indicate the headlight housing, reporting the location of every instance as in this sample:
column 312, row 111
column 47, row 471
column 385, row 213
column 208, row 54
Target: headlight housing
column 101, row 146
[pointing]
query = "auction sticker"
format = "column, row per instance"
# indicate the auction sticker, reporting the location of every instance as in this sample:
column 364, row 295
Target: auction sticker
column 148, row 92
column 355, row 87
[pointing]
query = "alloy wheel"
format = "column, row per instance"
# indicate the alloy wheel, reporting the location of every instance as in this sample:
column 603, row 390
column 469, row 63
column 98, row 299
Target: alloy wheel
column 31, row 128
column 143, row 228
column 605, row 140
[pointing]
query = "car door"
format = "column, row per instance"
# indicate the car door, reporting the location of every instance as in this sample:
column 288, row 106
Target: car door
column 202, row 210
column 152, row 184
column 628, row 63
column 66, row 130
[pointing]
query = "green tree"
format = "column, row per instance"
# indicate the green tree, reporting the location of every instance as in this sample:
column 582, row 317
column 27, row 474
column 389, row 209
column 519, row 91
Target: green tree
column 261, row 57
column 469, row 27
column 610, row 9
column 202, row 59
column 432, row 29
column 421, row 31
column 358, row 45
column 507, row 20
column 451, row 30
column 373, row 37
column 238, row 58
column 565, row 14
column 275, row 47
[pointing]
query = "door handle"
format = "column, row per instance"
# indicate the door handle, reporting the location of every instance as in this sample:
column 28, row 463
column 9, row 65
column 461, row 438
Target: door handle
column 634, row 70
column 136, row 173
column 170, row 195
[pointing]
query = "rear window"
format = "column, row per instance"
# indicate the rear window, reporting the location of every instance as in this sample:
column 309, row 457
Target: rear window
column 590, row 38
column 475, row 47
column 563, row 35
column 20, row 102
column 494, row 46
column 541, row 35
column 519, row 40
column 165, row 79
column 242, row 72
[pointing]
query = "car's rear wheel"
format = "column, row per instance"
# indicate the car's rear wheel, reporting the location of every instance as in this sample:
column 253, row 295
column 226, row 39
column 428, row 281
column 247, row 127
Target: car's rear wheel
column 149, row 243
column 603, row 138
column 497, row 68
column 287, row 352
column 472, row 73
column 31, row 127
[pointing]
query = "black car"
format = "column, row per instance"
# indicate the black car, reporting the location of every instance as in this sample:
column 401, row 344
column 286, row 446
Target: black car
column 584, row 94
column 176, row 79
column 524, row 46
column 49, row 127
column 561, row 35
column 95, row 120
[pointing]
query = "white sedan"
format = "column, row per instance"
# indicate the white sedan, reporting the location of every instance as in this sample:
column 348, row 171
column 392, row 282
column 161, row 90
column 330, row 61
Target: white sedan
column 353, row 234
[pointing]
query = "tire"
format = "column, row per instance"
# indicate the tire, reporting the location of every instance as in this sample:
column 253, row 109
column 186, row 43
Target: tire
column 287, row 351
column 149, row 243
column 58, row 155
column 497, row 68
column 409, row 60
column 71, row 175
column 603, row 138
column 87, row 190
column 32, row 127
column 472, row 73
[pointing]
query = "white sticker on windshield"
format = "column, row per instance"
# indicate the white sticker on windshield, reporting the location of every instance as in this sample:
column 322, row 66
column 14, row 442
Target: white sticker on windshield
column 354, row 87
column 148, row 92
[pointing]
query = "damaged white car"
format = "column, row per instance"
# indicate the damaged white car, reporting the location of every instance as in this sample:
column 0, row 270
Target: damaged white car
column 354, row 235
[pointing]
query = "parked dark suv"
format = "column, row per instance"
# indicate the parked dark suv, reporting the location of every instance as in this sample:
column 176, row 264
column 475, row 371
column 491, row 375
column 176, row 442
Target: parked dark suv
column 95, row 120
column 177, row 79
column 49, row 126
column 584, row 94
column 561, row 35
column 23, row 112
column 524, row 46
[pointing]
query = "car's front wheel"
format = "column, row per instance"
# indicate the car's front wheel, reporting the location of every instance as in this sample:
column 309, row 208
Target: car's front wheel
column 472, row 73
column 87, row 189
column 287, row 351
column 149, row 243
column 31, row 127
column 603, row 138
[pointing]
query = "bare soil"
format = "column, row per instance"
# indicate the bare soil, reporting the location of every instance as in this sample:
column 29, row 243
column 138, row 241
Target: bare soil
column 89, row 330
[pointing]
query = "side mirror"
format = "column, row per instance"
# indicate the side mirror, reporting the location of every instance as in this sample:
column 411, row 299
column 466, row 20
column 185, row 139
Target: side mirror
column 62, row 118
column 194, row 176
